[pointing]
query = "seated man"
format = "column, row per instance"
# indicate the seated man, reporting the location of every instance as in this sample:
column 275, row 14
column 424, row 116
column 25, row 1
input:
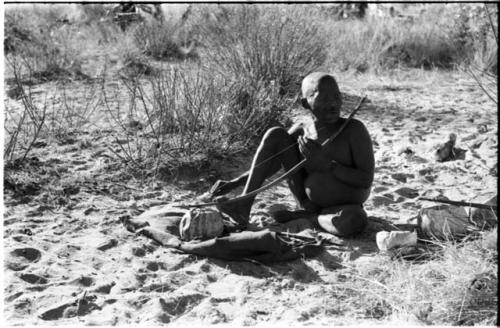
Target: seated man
column 337, row 177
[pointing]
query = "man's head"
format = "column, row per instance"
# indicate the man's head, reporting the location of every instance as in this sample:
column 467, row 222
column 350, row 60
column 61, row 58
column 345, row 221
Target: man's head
column 321, row 95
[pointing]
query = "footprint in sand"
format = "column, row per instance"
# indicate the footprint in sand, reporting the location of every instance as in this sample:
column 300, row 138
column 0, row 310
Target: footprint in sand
column 20, row 258
column 380, row 189
column 179, row 305
column 402, row 177
column 407, row 192
column 85, row 281
column 105, row 288
column 22, row 238
column 79, row 307
column 382, row 201
column 33, row 278
column 138, row 251
column 107, row 244
column 153, row 266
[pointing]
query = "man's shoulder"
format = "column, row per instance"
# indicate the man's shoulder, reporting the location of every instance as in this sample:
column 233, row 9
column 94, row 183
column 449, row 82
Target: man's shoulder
column 356, row 124
column 357, row 129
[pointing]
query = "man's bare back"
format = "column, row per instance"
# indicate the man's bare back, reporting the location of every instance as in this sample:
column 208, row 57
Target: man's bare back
column 337, row 177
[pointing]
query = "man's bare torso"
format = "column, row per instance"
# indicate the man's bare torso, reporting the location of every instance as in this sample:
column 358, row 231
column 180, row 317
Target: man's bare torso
column 325, row 188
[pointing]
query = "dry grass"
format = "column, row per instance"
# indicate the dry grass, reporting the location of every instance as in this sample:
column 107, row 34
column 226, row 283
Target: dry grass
column 456, row 285
column 235, row 44
column 48, row 51
column 162, row 41
column 23, row 129
column 442, row 37
column 180, row 115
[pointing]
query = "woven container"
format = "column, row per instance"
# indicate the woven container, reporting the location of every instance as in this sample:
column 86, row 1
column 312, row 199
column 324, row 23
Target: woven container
column 201, row 224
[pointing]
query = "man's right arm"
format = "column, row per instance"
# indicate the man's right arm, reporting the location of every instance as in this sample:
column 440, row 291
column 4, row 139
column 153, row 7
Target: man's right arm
column 296, row 130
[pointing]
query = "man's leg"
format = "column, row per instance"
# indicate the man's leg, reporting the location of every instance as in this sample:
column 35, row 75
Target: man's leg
column 222, row 187
column 277, row 149
column 343, row 220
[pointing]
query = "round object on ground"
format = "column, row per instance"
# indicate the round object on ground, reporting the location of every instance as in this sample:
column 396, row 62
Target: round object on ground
column 387, row 240
column 201, row 224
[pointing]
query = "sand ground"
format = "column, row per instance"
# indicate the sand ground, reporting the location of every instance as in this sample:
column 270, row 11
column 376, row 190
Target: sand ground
column 61, row 268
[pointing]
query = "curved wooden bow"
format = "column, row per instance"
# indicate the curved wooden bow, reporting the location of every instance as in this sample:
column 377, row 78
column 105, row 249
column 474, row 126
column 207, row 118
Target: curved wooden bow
column 284, row 175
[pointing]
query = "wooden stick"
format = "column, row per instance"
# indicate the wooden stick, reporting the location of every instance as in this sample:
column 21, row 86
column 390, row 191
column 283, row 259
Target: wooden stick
column 284, row 175
column 460, row 203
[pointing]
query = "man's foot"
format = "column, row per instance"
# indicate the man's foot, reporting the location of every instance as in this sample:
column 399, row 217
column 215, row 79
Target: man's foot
column 221, row 187
column 309, row 206
column 238, row 211
column 286, row 216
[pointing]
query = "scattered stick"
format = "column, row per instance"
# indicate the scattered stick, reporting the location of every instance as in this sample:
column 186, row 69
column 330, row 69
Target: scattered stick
column 460, row 203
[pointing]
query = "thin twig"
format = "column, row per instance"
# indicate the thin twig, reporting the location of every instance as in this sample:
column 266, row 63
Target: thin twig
column 481, row 86
column 460, row 203
column 491, row 23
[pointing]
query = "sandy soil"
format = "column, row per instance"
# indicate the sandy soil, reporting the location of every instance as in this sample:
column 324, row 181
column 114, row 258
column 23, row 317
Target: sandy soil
column 76, row 263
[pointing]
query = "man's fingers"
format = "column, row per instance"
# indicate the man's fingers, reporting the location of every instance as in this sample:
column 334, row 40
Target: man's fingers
column 312, row 144
column 302, row 147
column 217, row 188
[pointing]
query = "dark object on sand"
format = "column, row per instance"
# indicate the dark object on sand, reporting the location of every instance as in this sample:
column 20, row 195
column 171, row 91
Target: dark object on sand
column 260, row 246
column 448, row 152
column 453, row 221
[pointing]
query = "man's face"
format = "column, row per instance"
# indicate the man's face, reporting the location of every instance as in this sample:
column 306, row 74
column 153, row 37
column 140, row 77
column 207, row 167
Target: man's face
column 320, row 95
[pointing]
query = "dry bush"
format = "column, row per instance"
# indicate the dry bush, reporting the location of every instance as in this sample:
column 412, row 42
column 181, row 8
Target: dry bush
column 93, row 12
column 184, row 116
column 261, row 43
column 22, row 128
column 34, row 119
column 48, row 50
column 357, row 44
column 162, row 40
column 475, row 31
column 387, row 43
column 135, row 63
column 483, row 67
column 441, row 36
column 72, row 111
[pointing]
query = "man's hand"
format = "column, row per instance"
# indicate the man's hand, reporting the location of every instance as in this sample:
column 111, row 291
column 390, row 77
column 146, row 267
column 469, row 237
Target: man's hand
column 314, row 154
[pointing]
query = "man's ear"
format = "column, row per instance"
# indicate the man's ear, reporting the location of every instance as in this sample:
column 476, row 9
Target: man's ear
column 304, row 103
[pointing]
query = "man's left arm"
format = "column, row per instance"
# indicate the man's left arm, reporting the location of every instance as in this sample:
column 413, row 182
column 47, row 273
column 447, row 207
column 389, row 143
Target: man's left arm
column 361, row 174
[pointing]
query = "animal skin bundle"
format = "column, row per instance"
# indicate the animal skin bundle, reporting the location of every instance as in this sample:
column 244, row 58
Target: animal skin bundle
column 201, row 224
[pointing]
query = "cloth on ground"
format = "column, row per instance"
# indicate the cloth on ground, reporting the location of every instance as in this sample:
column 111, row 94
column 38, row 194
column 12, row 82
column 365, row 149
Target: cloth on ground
column 263, row 246
column 266, row 246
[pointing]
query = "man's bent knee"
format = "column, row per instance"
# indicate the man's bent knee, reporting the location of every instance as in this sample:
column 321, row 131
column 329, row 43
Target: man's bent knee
column 276, row 133
column 343, row 220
